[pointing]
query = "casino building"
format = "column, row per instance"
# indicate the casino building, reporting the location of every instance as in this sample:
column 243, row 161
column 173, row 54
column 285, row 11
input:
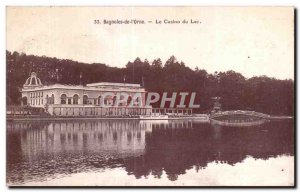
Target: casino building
column 85, row 100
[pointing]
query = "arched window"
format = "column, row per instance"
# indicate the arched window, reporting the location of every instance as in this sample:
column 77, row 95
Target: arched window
column 85, row 99
column 137, row 101
column 114, row 100
column 75, row 99
column 52, row 99
column 121, row 99
column 106, row 101
column 99, row 100
column 129, row 100
column 63, row 99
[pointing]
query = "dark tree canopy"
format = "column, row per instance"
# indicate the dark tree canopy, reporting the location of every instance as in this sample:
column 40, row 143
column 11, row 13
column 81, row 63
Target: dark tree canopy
column 262, row 94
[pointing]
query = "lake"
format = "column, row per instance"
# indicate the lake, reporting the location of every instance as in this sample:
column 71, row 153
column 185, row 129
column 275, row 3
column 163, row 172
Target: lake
column 148, row 153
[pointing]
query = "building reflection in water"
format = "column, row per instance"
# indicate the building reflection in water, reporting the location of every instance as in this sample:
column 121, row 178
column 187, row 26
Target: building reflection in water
column 115, row 137
column 40, row 150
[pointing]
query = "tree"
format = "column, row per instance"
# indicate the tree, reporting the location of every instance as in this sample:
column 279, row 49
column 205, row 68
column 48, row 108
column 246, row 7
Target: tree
column 262, row 94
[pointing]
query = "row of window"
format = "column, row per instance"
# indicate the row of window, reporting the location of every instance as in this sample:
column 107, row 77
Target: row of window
column 36, row 94
column 40, row 101
column 64, row 100
column 36, row 102
column 75, row 99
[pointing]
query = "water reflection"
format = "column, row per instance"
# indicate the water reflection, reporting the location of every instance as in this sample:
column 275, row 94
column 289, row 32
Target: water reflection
column 38, row 151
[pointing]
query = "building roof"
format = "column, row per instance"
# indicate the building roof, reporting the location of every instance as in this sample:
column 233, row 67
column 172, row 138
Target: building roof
column 109, row 84
column 33, row 83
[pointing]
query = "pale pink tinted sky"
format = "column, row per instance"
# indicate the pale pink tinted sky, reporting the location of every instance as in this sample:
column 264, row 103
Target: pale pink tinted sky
column 251, row 40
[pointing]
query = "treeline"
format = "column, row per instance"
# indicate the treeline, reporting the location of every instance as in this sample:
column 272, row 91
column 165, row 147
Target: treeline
column 262, row 94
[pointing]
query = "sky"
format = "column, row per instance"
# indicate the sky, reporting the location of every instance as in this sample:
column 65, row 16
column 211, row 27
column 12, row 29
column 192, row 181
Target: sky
column 253, row 41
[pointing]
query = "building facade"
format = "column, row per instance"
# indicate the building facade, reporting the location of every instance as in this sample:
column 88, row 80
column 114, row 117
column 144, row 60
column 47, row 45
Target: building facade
column 91, row 99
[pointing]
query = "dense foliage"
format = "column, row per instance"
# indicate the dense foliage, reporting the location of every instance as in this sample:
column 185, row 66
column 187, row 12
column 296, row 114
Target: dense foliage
column 262, row 94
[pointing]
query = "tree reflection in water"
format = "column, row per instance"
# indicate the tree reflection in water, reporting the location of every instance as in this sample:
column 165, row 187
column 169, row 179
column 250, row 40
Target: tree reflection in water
column 40, row 150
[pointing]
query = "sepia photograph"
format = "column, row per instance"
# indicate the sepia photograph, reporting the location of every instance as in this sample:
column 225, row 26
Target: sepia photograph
column 178, row 96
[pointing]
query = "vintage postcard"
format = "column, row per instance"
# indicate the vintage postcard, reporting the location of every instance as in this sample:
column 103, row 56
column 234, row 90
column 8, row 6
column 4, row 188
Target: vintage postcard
column 150, row 96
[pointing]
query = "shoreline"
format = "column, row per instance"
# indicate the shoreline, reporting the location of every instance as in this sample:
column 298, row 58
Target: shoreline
column 24, row 118
column 38, row 118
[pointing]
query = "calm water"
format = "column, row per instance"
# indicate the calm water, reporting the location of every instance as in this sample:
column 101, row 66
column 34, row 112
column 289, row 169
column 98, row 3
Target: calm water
column 131, row 152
